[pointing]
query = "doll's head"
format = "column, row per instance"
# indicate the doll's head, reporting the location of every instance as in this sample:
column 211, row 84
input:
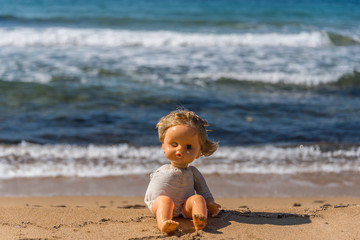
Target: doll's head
column 185, row 117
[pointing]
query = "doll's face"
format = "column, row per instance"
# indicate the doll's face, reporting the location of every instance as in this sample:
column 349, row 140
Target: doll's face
column 181, row 145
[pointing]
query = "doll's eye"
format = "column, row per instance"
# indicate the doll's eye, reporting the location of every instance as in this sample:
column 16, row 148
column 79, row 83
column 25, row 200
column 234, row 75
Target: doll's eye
column 174, row 144
column 188, row 146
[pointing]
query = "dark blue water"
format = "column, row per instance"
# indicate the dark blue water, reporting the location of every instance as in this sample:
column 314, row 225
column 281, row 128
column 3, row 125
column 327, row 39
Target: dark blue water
column 104, row 72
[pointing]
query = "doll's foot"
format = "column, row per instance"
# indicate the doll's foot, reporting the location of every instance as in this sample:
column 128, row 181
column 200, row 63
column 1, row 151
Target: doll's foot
column 168, row 226
column 199, row 221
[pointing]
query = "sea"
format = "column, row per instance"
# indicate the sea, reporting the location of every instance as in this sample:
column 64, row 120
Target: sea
column 84, row 83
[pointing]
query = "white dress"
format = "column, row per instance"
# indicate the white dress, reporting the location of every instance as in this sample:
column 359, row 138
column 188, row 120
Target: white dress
column 178, row 184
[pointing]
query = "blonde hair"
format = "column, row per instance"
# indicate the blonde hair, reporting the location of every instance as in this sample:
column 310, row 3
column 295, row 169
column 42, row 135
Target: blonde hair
column 185, row 117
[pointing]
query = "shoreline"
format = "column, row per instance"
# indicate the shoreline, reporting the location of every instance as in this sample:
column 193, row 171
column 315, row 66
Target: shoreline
column 343, row 184
column 115, row 217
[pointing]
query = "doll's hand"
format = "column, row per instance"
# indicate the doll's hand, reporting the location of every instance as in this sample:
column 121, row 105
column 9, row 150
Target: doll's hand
column 213, row 207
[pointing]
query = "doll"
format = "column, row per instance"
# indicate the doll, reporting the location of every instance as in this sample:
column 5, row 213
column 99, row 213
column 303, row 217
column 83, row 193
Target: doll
column 172, row 187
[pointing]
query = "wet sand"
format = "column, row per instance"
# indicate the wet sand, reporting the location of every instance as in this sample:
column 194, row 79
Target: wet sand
column 222, row 186
column 127, row 218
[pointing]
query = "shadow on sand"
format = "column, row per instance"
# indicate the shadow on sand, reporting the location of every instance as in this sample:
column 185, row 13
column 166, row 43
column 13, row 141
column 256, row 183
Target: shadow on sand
column 226, row 217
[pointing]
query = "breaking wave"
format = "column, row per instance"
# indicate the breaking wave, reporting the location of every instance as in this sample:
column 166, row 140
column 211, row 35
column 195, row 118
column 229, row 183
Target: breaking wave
column 28, row 160
column 59, row 36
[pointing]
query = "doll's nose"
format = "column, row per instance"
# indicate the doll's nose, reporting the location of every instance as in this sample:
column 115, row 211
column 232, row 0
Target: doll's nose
column 178, row 154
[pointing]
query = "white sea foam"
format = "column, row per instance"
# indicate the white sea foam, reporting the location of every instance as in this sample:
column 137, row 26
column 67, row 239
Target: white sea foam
column 298, row 78
column 40, row 54
column 279, row 160
column 59, row 36
column 32, row 160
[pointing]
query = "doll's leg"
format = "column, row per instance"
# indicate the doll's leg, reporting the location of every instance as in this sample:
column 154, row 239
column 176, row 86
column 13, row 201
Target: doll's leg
column 163, row 208
column 195, row 206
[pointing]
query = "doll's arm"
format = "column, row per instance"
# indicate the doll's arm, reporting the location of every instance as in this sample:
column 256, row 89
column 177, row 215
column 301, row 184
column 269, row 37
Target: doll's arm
column 202, row 189
column 200, row 184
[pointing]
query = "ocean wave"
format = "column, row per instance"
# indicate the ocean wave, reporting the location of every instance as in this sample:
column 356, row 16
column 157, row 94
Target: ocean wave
column 275, row 78
column 116, row 38
column 350, row 80
column 337, row 80
column 258, row 80
column 141, row 22
column 28, row 160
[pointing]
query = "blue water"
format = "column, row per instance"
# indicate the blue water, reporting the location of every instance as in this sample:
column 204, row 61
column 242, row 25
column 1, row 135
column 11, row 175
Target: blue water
column 84, row 83
column 104, row 72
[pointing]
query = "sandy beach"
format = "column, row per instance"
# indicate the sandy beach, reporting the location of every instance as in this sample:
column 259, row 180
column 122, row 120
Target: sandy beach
column 127, row 218
column 84, row 84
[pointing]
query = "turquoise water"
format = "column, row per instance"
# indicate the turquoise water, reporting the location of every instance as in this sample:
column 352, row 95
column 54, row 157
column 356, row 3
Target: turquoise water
column 206, row 15
column 277, row 76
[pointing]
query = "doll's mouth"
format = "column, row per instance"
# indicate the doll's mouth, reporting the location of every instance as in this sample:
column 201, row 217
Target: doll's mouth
column 178, row 159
